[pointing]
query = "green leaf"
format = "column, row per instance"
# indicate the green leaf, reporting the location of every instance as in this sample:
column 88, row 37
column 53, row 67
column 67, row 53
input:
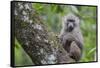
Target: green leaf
column 92, row 51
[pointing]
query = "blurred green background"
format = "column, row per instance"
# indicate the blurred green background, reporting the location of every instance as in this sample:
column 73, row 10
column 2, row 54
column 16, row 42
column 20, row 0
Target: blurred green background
column 52, row 16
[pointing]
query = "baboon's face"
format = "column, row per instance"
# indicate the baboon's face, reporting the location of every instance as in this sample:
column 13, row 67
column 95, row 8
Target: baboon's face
column 71, row 22
column 70, row 25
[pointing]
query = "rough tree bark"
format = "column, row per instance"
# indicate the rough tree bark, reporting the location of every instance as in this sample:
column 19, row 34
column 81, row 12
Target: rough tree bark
column 42, row 46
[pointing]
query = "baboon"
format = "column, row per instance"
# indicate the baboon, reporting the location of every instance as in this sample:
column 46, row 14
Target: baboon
column 71, row 36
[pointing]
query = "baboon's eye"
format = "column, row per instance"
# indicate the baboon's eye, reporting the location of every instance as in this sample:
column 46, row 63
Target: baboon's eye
column 71, row 20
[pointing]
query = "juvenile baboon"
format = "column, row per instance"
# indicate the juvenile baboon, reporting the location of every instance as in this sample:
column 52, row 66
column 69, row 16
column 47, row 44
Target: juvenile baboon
column 71, row 36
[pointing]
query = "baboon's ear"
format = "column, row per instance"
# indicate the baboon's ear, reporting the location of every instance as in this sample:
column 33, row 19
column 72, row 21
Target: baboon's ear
column 63, row 20
column 79, row 18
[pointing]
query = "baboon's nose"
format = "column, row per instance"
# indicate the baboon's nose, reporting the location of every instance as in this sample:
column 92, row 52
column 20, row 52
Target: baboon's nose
column 70, row 27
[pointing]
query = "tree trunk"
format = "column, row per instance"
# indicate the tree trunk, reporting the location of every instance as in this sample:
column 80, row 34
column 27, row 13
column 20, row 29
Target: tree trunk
column 42, row 46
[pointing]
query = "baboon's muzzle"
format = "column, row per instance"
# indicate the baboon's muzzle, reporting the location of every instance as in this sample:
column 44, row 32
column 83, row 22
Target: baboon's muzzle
column 70, row 27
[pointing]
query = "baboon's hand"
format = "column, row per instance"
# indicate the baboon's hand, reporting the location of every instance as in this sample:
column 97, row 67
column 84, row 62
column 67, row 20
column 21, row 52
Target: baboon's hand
column 75, row 51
